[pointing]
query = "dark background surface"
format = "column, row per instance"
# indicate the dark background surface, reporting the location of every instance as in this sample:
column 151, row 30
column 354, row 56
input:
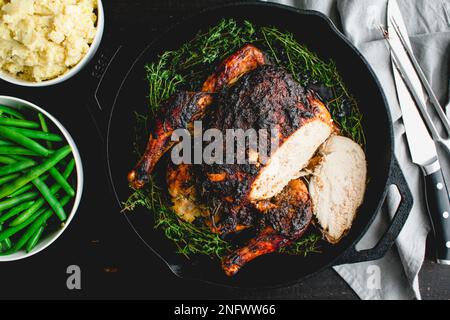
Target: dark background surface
column 114, row 262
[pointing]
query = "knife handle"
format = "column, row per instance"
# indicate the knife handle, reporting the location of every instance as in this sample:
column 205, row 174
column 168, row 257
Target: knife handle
column 438, row 204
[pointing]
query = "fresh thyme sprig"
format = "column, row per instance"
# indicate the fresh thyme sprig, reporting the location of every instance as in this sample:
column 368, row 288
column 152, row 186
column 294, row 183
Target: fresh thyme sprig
column 189, row 238
column 162, row 80
column 307, row 68
column 188, row 66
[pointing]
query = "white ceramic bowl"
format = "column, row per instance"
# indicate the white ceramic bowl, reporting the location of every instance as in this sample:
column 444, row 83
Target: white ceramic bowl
column 50, row 238
column 74, row 70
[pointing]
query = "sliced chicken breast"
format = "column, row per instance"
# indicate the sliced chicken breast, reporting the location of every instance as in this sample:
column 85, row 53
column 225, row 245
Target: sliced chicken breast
column 338, row 185
column 289, row 159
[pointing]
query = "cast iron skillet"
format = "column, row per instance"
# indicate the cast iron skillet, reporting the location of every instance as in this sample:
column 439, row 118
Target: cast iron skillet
column 321, row 36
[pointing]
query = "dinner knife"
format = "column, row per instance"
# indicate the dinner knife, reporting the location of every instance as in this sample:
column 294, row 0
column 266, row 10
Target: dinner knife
column 421, row 146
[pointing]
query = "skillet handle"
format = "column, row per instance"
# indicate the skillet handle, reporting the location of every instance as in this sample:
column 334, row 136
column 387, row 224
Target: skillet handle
column 398, row 221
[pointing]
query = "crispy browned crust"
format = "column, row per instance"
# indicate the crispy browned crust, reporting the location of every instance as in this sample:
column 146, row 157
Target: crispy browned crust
column 267, row 241
column 229, row 71
column 185, row 107
column 265, row 98
column 286, row 218
column 180, row 180
column 179, row 111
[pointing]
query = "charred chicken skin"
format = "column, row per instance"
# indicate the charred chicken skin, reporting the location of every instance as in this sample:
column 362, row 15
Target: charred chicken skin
column 229, row 71
column 178, row 113
column 186, row 107
column 265, row 98
column 183, row 192
column 283, row 219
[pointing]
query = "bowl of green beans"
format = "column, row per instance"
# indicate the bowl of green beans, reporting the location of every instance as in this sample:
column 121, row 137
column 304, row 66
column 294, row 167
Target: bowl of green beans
column 41, row 179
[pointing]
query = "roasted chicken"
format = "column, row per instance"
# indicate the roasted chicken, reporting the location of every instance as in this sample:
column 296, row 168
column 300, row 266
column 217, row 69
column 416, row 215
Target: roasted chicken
column 266, row 191
column 183, row 192
column 337, row 186
column 178, row 113
column 229, row 71
column 186, row 107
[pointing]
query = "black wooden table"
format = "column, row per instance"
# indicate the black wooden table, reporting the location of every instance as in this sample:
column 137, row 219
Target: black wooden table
column 157, row 15
column 114, row 262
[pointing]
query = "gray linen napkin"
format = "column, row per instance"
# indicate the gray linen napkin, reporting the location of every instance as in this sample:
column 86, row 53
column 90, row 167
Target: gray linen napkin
column 396, row 275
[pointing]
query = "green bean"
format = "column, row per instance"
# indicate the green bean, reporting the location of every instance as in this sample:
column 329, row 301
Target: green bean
column 13, row 230
column 69, row 168
column 34, row 134
column 16, row 167
column 50, row 198
column 9, row 150
column 19, row 157
column 22, row 190
column 44, row 127
column 5, row 244
column 12, row 112
column 1, row 243
column 44, row 215
column 35, row 172
column 25, row 215
column 18, row 123
column 23, row 140
column 62, row 181
column 9, row 178
column 15, row 211
column 11, row 160
column 7, row 160
column 25, row 188
column 40, row 202
column 31, row 244
column 53, row 171
column 43, row 122
column 7, row 204
column 5, row 143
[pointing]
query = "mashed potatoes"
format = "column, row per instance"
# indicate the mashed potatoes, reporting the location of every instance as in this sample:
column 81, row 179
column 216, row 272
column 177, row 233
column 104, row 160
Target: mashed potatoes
column 43, row 39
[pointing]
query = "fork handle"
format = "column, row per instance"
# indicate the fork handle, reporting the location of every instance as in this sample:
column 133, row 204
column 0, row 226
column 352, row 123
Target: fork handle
column 438, row 204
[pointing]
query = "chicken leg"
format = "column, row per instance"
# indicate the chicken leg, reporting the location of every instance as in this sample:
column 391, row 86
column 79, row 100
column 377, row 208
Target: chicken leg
column 286, row 218
column 178, row 113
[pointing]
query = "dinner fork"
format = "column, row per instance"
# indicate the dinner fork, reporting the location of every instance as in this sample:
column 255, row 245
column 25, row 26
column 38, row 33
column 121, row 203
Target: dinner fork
column 444, row 141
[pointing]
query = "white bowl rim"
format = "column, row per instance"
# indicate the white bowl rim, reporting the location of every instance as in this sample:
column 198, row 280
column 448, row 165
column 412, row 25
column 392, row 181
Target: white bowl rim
column 80, row 182
column 74, row 70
